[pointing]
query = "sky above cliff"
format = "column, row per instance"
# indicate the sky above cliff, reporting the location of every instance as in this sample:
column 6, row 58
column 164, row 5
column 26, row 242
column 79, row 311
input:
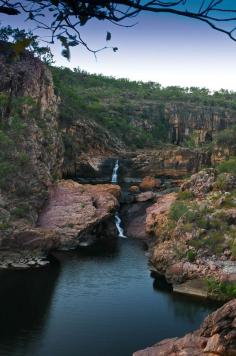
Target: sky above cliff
column 165, row 48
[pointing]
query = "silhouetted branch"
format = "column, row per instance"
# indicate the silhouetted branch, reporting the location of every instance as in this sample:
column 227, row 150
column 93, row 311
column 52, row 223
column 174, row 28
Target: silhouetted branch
column 68, row 15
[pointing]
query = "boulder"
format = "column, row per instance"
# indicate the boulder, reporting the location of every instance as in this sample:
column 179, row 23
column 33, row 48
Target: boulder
column 158, row 212
column 73, row 212
column 149, row 182
column 134, row 189
column 145, row 196
column 201, row 183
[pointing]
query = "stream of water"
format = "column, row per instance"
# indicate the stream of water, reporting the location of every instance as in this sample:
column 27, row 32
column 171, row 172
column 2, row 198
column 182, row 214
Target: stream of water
column 94, row 302
column 114, row 180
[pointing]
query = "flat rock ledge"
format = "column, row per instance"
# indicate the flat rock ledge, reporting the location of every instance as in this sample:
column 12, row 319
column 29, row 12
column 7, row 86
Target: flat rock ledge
column 215, row 337
column 73, row 216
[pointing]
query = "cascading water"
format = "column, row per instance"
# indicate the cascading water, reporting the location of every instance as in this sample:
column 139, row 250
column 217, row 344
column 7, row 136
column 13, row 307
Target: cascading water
column 114, row 173
column 114, row 180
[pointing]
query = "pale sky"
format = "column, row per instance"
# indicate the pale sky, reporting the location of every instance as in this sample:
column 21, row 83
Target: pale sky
column 165, row 48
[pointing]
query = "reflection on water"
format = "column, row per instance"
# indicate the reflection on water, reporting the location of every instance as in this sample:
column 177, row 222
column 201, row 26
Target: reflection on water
column 25, row 298
column 97, row 301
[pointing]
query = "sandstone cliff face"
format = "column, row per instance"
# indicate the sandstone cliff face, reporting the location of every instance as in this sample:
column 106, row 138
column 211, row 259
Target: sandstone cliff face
column 199, row 122
column 216, row 336
column 169, row 161
column 88, row 150
column 183, row 120
column 34, row 154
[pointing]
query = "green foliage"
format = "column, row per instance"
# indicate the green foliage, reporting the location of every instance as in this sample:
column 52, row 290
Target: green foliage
column 177, row 210
column 191, row 141
column 233, row 248
column 191, row 255
column 213, row 241
column 22, row 40
column 23, row 158
column 4, row 226
column 20, row 211
column 227, row 137
column 13, row 133
column 185, row 195
column 228, row 166
column 221, row 183
column 133, row 111
column 222, row 289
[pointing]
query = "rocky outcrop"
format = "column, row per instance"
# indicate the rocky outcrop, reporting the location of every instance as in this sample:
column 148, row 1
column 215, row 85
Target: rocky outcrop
column 170, row 161
column 216, row 336
column 77, row 212
column 200, row 123
column 157, row 214
column 75, row 215
column 133, row 218
column 149, row 183
column 31, row 146
column 201, row 183
column 90, row 150
column 194, row 230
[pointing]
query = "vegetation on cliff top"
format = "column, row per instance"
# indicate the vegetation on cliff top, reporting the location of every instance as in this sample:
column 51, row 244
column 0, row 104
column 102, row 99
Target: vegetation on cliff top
column 133, row 111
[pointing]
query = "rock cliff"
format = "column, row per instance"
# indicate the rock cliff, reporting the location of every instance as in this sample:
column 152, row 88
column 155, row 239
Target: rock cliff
column 199, row 122
column 31, row 145
column 195, row 229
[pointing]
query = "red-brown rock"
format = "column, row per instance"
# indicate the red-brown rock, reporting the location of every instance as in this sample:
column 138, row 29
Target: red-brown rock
column 73, row 213
column 157, row 213
column 149, row 183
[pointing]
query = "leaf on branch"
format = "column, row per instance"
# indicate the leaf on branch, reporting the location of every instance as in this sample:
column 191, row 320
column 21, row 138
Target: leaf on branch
column 21, row 45
column 31, row 16
column 108, row 38
column 66, row 53
column 83, row 19
column 73, row 43
column 115, row 49
column 9, row 10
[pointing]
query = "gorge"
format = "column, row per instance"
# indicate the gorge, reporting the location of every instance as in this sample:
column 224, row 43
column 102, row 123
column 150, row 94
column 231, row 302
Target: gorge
column 63, row 145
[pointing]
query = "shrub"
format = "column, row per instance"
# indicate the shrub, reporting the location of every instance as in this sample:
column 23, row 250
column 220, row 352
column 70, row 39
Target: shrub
column 187, row 227
column 6, row 168
column 191, row 255
column 20, row 211
column 221, row 183
column 227, row 137
column 228, row 166
column 177, row 210
column 23, row 158
column 222, row 289
column 4, row 225
column 185, row 195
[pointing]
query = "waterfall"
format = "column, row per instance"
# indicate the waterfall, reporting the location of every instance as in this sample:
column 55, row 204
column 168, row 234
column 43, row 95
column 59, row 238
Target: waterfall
column 117, row 217
column 114, row 173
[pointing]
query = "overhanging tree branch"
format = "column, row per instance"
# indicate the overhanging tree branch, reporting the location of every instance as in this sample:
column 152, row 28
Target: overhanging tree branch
column 67, row 16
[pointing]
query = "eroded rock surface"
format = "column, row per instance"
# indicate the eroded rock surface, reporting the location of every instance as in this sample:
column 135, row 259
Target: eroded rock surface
column 74, row 215
column 195, row 230
column 75, row 212
column 169, row 161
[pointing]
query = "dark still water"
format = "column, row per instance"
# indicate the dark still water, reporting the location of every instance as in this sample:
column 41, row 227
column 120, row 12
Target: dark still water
column 100, row 302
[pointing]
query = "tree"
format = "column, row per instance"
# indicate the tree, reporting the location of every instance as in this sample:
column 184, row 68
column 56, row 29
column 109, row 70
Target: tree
column 22, row 39
column 66, row 16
